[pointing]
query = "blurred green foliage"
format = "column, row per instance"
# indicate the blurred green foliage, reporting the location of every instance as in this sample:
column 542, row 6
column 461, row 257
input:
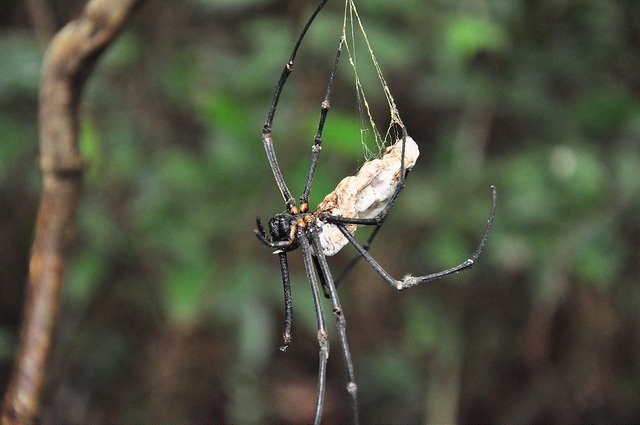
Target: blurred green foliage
column 172, row 309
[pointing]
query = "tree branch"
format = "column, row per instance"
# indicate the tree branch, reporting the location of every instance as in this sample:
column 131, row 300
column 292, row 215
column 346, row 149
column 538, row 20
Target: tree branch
column 68, row 62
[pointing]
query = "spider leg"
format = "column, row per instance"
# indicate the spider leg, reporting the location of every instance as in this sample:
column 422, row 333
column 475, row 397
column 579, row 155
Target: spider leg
column 322, row 330
column 280, row 245
column 323, row 281
column 355, row 260
column 288, row 318
column 273, row 244
column 325, row 275
column 267, row 140
column 260, row 227
column 409, row 281
column 317, row 140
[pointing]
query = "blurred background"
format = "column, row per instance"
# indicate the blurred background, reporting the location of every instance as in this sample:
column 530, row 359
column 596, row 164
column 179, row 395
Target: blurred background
column 172, row 310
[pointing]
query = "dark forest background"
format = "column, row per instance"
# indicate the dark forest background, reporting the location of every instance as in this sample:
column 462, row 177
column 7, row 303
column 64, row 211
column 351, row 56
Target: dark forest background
column 172, row 310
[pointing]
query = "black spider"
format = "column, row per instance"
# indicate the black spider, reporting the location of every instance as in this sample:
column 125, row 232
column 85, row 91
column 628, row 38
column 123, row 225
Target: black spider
column 300, row 227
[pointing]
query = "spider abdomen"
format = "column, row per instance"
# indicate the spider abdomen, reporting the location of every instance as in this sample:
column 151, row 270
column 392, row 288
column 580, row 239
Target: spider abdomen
column 366, row 194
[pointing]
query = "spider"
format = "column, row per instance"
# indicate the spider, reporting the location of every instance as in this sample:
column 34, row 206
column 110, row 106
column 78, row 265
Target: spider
column 363, row 199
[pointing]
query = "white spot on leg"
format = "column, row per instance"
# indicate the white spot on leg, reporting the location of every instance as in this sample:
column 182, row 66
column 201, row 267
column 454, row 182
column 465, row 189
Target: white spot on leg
column 352, row 387
column 322, row 342
column 407, row 282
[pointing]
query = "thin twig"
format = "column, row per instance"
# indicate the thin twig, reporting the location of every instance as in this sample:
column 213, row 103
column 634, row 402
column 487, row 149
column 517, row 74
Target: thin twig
column 68, row 62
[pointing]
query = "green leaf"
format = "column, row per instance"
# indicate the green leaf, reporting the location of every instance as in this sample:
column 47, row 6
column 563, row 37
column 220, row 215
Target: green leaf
column 447, row 248
column 341, row 133
column 467, row 36
column 603, row 110
column 85, row 272
column 598, row 261
column 90, row 147
column 227, row 113
column 13, row 146
column 20, row 59
column 229, row 5
column 184, row 287
column 581, row 172
column 7, row 344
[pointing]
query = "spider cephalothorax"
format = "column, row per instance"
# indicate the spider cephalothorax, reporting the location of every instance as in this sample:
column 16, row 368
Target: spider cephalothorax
column 282, row 229
column 362, row 199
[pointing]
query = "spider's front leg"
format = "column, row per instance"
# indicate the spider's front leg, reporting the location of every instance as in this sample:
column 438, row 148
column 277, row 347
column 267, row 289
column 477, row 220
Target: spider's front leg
column 282, row 232
column 282, row 237
column 288, row 304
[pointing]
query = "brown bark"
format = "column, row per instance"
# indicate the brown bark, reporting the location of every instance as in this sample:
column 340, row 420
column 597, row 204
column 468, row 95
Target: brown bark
column 68, row 62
